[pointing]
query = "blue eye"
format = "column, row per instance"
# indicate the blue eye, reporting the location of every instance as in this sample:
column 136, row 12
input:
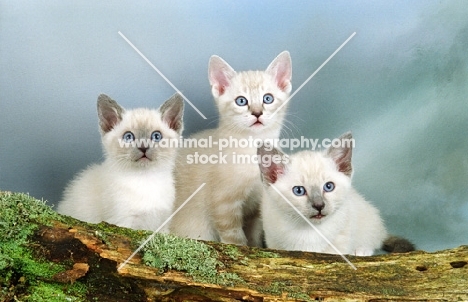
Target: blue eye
column 128, row 137
column 268, row 98
column 329, row 186
column 241, row 101
column 299, row 190
column 156, row 136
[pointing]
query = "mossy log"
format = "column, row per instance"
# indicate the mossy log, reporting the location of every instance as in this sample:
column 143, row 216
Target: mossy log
column 83, row 265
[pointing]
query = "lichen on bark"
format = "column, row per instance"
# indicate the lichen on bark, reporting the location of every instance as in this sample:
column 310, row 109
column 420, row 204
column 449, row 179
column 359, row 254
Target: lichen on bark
column 48, row 257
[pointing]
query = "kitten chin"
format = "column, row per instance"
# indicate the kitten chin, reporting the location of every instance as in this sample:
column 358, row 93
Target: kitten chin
column 227, row 208
column 134, row 186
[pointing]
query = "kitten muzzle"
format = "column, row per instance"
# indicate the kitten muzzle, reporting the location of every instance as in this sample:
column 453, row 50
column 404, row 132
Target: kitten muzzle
column 317, row 216
column 257, row 123
column 143, row 156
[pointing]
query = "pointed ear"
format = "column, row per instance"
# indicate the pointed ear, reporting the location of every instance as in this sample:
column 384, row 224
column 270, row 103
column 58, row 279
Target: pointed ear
column 281, row 70
column 220, row 75
column 109, row 113
column 342, row 155
column 269, row 168
column 172, row 112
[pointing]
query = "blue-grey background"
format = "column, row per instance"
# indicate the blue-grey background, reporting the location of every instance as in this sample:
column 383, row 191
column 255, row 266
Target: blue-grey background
column 401, row 86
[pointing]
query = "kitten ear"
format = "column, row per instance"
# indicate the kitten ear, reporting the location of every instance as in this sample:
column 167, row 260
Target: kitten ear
column 220, row 75
column 269, row 169
column 281, row 70
column 342, row 154
column 109, row 113
column 172, row 112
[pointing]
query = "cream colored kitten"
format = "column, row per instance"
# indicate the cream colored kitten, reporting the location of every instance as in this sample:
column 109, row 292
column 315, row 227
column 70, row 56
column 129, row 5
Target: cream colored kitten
column 227, row 208
column 134, row 186
column 318, row 184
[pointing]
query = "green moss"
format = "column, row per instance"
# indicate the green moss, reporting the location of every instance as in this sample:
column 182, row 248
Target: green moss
column 194, row 257
column 258, row 253
column 16, row 223
column 23, row 262
column 104, row 229
column 18, row 213
column 19, row 269
column 278, row 288
column 56, row 292
column 5, row 261
column 232, row 252
column 392, row 291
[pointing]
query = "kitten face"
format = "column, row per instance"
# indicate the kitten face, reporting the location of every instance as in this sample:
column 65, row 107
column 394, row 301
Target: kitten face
column 316, row 183
column 313, row 184
column 135, row 138
column 246, row 100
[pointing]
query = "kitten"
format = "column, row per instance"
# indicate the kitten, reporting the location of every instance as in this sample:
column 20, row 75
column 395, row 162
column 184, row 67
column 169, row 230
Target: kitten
column 134, row 186
column 318, row 184
column 227, row 208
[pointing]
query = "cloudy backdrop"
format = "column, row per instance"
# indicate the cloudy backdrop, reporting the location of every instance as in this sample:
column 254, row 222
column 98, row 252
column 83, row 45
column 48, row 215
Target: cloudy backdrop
column 400, row 84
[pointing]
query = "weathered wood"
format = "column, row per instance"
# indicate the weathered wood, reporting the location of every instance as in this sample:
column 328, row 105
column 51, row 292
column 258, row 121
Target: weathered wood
column 92, row 254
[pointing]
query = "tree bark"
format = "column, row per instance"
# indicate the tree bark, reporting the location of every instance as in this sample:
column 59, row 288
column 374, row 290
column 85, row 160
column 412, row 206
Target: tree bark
column 92, row 258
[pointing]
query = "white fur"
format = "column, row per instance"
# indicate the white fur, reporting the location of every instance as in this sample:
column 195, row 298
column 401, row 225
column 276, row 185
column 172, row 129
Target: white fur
column 227, row 208
column 134, row 199
column 350, row 223
column 125, row 189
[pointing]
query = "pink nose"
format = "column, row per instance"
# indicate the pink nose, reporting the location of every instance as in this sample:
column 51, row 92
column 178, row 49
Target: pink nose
column 257, row 114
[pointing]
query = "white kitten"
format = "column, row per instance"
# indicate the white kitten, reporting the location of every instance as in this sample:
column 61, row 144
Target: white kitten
column 318, row 184
column 227, row 208
column 134, row 186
